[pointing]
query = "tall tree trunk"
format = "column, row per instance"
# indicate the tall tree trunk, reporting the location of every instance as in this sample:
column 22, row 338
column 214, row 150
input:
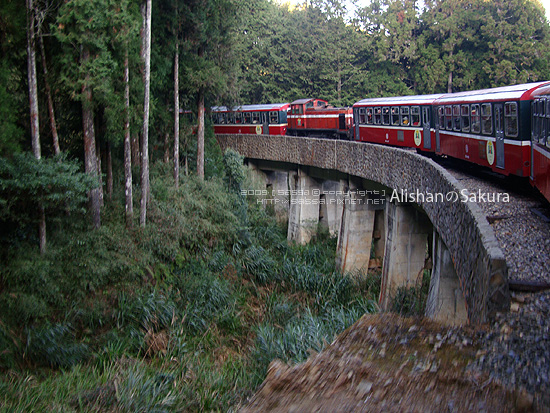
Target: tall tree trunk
column 166, row 156
column 90, row 158
column 200, row 136
column 176, row 118
column 129, row 203
column 450, row 78
column 51, row 112
column 145, row 136
column 136, row 154
column 33, row 88
column 99, row 171
column 109, row 172
column 33, row 105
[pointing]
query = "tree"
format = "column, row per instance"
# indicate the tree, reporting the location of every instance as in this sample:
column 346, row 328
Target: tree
column 147, row 13
column 210, row 64
column 33, row 105
column 90, row 32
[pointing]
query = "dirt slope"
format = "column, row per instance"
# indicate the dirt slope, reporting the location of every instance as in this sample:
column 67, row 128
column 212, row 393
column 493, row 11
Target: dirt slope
column 391, row 364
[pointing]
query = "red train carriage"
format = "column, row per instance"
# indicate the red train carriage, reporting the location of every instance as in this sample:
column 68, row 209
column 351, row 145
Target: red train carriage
column 399, row 121
column 315, row 117
column 251, row 119
column 489, row 127
column 540, row 140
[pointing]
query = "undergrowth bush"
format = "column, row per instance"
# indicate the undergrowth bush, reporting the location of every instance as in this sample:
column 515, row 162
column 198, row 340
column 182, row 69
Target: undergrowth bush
column 54, row 346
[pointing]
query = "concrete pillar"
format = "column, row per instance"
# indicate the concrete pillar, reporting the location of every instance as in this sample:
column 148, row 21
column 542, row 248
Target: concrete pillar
column 407, row 235
column 278, row 194
column 303, row 216
column 446, row 301
column 332, row 205
column 355, row 236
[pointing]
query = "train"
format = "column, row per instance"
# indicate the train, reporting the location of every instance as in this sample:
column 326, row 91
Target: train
column 504, row 129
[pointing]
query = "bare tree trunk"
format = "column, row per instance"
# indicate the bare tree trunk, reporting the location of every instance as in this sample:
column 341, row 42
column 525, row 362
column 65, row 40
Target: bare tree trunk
column 90, row 158
column 109, row 172
column 33, row 104
column 145, row 137
column 33, row 88
column 136, row 155
column 99, row 172
column 129, row 203
column 166, row 156
column 176, row 118
column 53, row 125
column 200, row 136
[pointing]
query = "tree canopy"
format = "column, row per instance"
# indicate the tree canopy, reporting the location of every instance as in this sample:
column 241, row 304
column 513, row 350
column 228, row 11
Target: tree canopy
column 210, row 52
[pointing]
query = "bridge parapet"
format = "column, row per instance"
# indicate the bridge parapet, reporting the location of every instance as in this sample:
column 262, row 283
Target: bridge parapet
column 478, row 261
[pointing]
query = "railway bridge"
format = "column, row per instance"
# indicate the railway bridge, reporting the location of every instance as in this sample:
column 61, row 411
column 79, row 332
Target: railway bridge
column 387, row 202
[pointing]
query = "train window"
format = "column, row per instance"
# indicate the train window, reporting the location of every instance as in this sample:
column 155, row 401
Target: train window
column 362, row 117
column 465, row 115
column 405, row 120
column 486, row 119
column 377, row 116
column 255, row 117
column 247, row 117
column 309, row 104
column 395, row 115
column 231, row 117
column 386, row 115
column 448, row 118
column 273, row 117
column 320, row 104
column 456, row 117
column 223, row 118
column 475, row 119
column 369, row 116
column 511, row 119
column 415, row 115
column 441, row 116
column 238, row 117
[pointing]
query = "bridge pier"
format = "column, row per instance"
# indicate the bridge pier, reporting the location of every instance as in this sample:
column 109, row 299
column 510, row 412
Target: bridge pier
column 303, row 214
column 446, row 301
column 405, row 255
column 356, row 230
column 331, row 205
column 278, row 194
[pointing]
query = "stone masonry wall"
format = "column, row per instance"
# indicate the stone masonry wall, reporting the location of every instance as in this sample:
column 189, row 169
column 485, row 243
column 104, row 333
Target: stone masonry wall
column 478, row 260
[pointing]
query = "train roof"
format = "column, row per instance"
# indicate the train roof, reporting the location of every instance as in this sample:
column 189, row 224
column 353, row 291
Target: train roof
column 251, row 108
column 515, row 92
column 403, row 100
column 303, row 101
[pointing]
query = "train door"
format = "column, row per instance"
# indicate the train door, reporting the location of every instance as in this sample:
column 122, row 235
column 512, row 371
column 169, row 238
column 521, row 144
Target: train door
column 265, row 122
column 499, row 134
column 438, row 116
column 426, row 126
column 356, row 120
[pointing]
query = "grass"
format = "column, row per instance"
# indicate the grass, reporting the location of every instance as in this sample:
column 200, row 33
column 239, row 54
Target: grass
column 184, row 315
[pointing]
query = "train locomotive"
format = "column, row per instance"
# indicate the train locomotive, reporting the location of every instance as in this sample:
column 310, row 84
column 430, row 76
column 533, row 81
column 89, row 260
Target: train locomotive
column 505, row 129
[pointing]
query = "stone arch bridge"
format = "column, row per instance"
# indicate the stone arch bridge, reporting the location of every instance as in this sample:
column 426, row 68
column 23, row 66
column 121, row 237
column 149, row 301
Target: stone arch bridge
column 394, row 201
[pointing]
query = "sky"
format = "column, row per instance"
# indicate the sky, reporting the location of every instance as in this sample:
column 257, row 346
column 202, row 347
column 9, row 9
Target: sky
column 362, row 3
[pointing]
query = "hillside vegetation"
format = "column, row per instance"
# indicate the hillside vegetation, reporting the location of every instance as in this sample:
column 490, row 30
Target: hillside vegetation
column 185, row 314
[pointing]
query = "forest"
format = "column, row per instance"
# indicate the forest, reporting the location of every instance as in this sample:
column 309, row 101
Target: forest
column 134, row 275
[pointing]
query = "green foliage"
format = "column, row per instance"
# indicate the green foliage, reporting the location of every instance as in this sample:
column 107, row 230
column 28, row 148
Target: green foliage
column 11, row 132
column 54, row 346
column 234, row 170
column 300, row 336
column 411, row 300
column 140, row 391
column 205, row 299
column 56, row 184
